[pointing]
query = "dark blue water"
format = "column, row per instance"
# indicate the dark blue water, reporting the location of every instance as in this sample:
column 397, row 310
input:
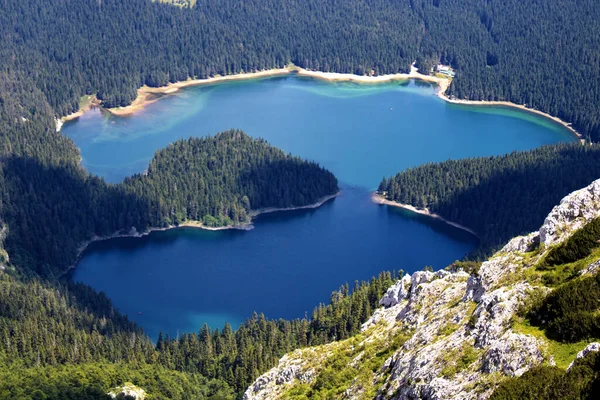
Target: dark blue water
column 182, row 278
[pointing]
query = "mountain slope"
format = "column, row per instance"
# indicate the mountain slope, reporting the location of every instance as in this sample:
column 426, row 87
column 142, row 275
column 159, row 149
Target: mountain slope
column 453, row 334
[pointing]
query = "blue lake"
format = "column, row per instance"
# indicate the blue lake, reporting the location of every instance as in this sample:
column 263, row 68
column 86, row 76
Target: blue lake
column 180, row 279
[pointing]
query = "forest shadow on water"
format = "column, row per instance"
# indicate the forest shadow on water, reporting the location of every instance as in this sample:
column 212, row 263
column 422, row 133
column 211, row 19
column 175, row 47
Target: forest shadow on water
column 179, row 279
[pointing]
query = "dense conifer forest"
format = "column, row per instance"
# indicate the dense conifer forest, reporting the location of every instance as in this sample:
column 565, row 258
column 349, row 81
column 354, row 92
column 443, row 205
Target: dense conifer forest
column 220, row 180
column 61, row 340
column 542, row 54
column 498, row 197
column 70, row 341
column 217, row 181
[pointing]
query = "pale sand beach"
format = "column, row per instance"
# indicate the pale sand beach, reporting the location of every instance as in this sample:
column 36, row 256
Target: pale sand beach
column 88, row 104
column 443, row 83
column 148, row 95
column 145, row 92
column 378, row 199
column 512, row 105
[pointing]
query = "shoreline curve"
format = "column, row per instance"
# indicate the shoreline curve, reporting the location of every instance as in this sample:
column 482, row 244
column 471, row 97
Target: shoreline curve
column 247, row 226
column 148, row 95
column 379, row 199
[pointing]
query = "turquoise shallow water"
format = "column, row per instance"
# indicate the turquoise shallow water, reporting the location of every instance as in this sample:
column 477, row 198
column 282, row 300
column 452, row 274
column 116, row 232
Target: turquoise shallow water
column 290, row 262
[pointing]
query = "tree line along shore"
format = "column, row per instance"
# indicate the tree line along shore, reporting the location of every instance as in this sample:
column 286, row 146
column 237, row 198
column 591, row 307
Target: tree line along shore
column 147, row 95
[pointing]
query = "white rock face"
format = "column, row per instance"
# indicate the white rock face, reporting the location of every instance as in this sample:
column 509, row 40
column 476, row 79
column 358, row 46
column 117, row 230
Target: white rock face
column 501, row 357
column 460, row 338
column 592, row 347
column 128, row 389
column 59, row 124
column 522, row 244
column 396, row 293
column 571, row 214
column 591, row 269
column 291, row 368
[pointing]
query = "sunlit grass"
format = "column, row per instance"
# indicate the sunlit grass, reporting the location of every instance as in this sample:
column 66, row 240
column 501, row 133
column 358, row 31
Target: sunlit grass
column 563, row 353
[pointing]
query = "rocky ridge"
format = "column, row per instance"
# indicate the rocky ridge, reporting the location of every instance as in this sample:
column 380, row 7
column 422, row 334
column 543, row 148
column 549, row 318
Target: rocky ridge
column 460, row 342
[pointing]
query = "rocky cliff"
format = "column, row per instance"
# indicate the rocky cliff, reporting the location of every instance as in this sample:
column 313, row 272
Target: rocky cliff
column 449, row 334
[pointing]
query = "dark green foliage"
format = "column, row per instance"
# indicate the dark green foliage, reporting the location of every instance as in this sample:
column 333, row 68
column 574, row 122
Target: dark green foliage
column 51, row 210
column 470, row 267
column 498, row 197
column 537, row 383
column 44, row 325
column 50, row 205
column 584, row 375
column 47, row 334
column 578, row 246
column 94, row 380
column 219, row 180
column 570, row 312
column 62, row 341
column 346, row 312
column 582, row 381
column 544, row 55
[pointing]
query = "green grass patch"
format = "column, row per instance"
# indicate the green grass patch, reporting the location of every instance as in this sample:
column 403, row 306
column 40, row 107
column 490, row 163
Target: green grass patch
column 353, row 363
column 85, row 102
column 563, row 353
column 457, row 360
column 448, row 329
column 559, row 274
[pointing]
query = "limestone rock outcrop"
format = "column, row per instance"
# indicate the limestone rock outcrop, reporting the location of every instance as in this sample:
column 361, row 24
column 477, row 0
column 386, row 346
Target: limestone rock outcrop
column 460, row 337
column 571, row 214
column 592, row 347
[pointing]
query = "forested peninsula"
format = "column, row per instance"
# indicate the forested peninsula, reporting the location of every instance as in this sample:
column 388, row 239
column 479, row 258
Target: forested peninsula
column 212, row 182
column 497, row 197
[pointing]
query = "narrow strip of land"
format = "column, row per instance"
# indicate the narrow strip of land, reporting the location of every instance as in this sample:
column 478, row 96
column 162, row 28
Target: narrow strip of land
column 511, row 105
column 379, row 199
column 147, row 95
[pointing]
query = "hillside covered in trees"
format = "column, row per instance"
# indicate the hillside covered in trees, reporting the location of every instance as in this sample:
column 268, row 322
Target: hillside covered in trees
column 63, row 340
column 497, row 197
column 68, row 342
column 542, row 54
column 215, row 180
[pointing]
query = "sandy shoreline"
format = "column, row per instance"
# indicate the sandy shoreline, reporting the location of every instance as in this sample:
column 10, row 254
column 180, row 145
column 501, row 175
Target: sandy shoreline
column 148, row 95
column 90, row 102
column 133, row 233
column 378, row 199
column 145, row 93
column 318, row 204
column 512, row 105
column 443, row 83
